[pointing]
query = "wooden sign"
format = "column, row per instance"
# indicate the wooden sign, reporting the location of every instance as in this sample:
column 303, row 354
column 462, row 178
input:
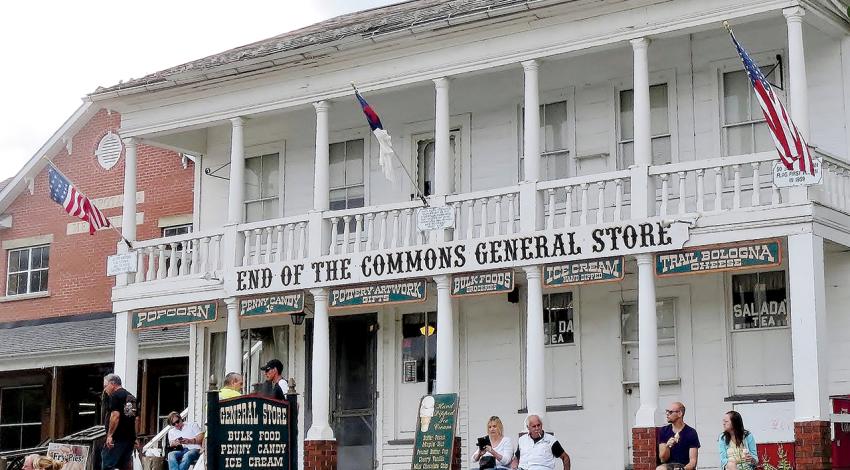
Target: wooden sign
column 436, row 425
column 573, row 273
column 488, row 282
column 378, row 294
column 290, row 302
column 175, row 315
column 718, row 258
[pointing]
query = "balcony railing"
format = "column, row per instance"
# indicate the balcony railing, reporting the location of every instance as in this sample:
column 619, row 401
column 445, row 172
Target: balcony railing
column 270, row 241
column 591, row 199
column 180, row 255
column 485, row 213
column 835, row 190
column 370, row 228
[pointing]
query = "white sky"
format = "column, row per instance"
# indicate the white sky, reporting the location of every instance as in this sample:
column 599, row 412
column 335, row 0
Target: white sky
column 56, row 51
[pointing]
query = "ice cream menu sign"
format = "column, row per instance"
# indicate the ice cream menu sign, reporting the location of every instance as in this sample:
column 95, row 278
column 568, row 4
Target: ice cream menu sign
column 435, row 432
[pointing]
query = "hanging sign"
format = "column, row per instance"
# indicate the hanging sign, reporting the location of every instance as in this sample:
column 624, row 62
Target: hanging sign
column 488, row 282
column 435, row 218
column 174, row 315
column 375, row 294
column 291, row 302
column 436, row 422
column 783, row 177
column 718, row 258
column 583, row 272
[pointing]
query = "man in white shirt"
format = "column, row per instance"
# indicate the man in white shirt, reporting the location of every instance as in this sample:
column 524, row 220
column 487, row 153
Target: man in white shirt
column 538, row 450
column 187, row 435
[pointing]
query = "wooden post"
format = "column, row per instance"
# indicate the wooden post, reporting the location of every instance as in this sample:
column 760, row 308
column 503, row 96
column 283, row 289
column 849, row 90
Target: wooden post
column 143, row 393
column 54, row 404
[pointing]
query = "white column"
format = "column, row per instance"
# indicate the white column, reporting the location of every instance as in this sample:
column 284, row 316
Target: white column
column 643, row 195
column 322, row 175
column 535, row 378
column 445, row 337
column 233, row 339
column 808, row 327
column 320, row 430
column 531, row 129
column 126, row 351
column 128, row 216
column 647, row 343
column 236, row 198
column 799, row 88
column 443, row 164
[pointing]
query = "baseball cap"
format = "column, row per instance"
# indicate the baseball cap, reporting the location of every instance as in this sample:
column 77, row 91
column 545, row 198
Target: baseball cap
column 273, row 364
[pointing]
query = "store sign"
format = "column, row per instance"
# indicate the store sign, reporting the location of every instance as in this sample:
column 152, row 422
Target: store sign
column 435, row 218
column 272, row 304
column 717, row 258
column 490, row 282
column 375, row 294
column 497, row 252
column 759, row 300
column 583, row 272
column 74, row 457
column 436, row 422
column 251, row 432
column 784, row 178
column 175, row 315
column 122, row 263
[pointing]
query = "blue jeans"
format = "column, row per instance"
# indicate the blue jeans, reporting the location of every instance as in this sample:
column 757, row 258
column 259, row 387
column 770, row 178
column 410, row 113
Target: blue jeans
column 182, row 459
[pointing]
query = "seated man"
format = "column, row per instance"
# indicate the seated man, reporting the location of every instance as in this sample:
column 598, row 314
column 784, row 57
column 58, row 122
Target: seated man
column 187, row 435
column 678, row 443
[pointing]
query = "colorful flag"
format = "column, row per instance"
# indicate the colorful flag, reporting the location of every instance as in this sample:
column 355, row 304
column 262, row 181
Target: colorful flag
column 789, row 143
column 385, row 144
column 75, row 202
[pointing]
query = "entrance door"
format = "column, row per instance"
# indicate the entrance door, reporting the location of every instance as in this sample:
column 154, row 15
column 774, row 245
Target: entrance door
column 353, row 355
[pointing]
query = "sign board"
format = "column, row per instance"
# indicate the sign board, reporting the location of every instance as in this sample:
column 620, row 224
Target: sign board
column 461, row 256
column 122, row 263
column 784, row 178
column 373, row 294
column 74, row 457
column 251, row 432
column 175, row 315
column 408, row 373
column 292, row 302
column 488, row 282
column 583, row 272
column 436, row 424
column 769, row 421
column 435, row 218
column 718, row 258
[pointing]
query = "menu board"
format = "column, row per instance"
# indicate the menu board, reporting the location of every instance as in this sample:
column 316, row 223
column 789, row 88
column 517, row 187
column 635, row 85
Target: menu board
column 436, row 424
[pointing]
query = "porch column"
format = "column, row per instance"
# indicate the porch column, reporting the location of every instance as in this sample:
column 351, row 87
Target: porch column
column 535, row 358
column 643, row 196
column 320, row 430
column 322, row 181
column 446, row 359
column 799, row 91
column 647, row 343
column 126, row 338
column 236, row 196
column 233, row 341
column 531, row 129
column 810, row 362
column 443, row 165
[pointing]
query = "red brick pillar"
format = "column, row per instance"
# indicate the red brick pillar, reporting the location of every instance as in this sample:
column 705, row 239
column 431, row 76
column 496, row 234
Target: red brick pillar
column 644, row 448
column 457, row 462
column 319, row 455
column 812, row 445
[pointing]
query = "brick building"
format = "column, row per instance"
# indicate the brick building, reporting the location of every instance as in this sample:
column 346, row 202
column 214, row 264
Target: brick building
column 57, row 330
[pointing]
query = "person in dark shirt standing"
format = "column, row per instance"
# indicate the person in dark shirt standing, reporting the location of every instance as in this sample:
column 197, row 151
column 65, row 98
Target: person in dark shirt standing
column 276, row 385
column 678, row 443
column 120, row 423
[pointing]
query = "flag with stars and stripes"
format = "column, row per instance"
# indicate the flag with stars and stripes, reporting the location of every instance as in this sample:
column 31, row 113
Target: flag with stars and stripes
column 792, row 148
column 75, row 202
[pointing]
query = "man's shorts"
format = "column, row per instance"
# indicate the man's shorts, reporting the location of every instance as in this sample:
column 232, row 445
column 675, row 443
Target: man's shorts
column 119, row 456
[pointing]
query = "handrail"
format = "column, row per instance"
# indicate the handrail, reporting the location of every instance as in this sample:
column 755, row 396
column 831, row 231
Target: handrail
column 712, row 163
column 163, row 433
column 482, row 194
column 832, row 159
column 592, row 178
column 294, row 219
column 372, row 209
column 176, row 238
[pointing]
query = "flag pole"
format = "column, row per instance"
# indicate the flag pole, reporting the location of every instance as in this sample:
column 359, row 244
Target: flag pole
column 53, row 165
column 409, row 177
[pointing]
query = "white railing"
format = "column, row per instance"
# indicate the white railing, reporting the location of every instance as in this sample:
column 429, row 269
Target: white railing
column 180, row 255
column 160, row 439
column 485, row 213
column 835, row 189
column 367, row 229
column 591, row 199
column 270, row 241
column 716, row 185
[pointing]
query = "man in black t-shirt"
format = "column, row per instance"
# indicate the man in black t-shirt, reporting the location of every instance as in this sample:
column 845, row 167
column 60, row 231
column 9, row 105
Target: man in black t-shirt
column 120, row 423
column 678, row 443
column 275, row 386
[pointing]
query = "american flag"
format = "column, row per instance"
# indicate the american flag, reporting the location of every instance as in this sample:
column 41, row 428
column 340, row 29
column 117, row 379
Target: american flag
column 75, row 202
column 789, row 143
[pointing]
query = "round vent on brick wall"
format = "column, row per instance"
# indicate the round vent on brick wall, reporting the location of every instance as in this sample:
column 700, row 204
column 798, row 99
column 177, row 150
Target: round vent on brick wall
column 109, row 150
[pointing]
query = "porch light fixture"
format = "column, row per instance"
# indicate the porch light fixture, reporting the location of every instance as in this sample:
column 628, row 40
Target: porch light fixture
column 297, row 318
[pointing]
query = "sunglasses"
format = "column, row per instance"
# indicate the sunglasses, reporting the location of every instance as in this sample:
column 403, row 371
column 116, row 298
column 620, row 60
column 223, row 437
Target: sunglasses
column 669, row 412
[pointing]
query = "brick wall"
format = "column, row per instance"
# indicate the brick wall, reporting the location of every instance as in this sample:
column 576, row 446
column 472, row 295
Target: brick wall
column 812, row 445
column 320, row 455
column 77, row 280
column 644, row 448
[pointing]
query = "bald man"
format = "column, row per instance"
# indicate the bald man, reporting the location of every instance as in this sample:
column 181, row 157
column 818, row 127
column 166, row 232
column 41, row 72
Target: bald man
column 678, row 443
column 538, row 450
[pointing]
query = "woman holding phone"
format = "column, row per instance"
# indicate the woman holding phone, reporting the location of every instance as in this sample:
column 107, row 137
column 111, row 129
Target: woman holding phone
column 495, row 450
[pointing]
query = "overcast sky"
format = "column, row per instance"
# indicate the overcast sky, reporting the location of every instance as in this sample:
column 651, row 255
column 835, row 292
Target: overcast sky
column 56, row 51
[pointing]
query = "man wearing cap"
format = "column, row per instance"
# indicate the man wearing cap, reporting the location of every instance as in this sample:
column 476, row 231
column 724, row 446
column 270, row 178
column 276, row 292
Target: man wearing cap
column 274, row 376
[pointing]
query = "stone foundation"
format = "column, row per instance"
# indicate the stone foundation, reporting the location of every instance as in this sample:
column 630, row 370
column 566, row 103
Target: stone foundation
column 320, row 455
column 812, row 445
column 644, row 448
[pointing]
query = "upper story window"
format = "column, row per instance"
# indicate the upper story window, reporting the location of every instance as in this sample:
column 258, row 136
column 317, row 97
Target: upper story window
column 27, row 271
column 554, row 142
column 743, row 126
column 262, row 188
column 176, row 230
column 347, row 190
column 425, row 168
column 659, row 126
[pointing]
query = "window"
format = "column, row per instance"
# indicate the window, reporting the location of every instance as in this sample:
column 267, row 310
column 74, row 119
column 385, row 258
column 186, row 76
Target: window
column 259, row 345
column 419, row 349
column 425, row 167
column 744, row 128
column 172, row 395
column 554, row 149
column 668, row 364
column 262, row 188
column 20, row 417
column 346, row 175
column 27, row 271
column 759, row 300
column 659, row 126
column 176, row 230
column 561, row 350
column 558, row 319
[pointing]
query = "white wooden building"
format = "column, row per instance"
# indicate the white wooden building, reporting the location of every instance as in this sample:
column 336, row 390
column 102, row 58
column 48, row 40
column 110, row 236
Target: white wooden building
column 531, row 120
